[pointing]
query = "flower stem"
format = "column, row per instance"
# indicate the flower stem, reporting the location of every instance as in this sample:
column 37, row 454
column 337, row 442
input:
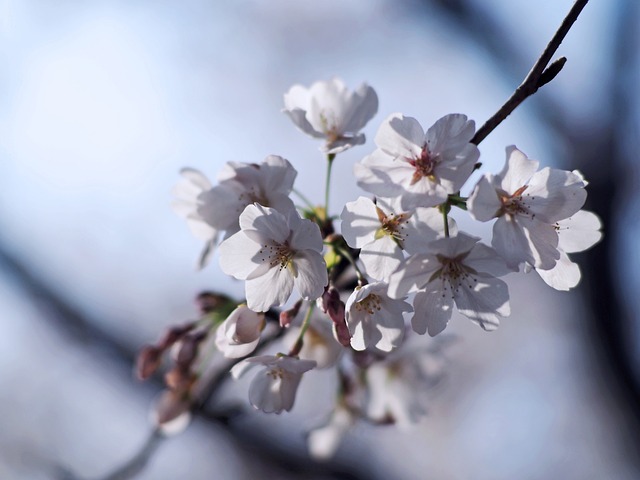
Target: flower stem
column 295, row 350
column 303, row 198
column 327, row 187
column 446, row 222
column 347, row 255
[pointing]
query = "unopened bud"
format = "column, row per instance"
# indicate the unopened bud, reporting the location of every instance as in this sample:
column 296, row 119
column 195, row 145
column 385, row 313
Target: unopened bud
column 174, row 334
column 148, row 361
column 187, row 349
column 208, row 302
column 334, row 307
column 179, row 379
column 287, row 316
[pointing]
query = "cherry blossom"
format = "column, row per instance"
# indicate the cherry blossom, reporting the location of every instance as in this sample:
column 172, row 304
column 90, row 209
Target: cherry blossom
column 274, row 253
column 527, row 203
column 374, row 319
column 193, row 195
column 460, row 271
column 575, row 234
column 318, row 343
column 382, row 230
column 325, row 440
column 399, row 385
column 239, row 334
column 274, row 388
column 213, row 209
column 422, row 168
column 330, row 111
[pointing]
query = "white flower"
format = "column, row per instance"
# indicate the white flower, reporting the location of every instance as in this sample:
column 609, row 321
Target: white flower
column 210, row 210
column 325, row 440
column 422, row 168
column 575, row 234
column 527, row 204
column 329, row 110
column 374, row 319
column 274, row 253
column 274, row 388
column 239, row 334
column 399, row 385
column 460, row 271
column 383, row 229
column 318, row 342
column 192, row 194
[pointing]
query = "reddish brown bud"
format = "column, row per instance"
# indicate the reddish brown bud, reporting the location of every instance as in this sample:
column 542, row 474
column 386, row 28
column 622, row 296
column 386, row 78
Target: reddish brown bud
column 334, row 307
column 148, row 361
column 187, row 350
column 179, row 379
column 287, row 316
column 174, row 334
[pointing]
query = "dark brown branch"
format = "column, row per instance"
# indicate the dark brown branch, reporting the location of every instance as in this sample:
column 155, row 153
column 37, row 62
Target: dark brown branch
column 538, row 76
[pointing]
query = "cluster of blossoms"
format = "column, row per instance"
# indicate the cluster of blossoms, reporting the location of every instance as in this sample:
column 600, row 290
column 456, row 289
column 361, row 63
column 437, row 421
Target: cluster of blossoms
column 353, row 300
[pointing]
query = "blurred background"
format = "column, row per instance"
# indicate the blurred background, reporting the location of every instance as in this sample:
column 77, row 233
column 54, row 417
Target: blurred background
column 101, row 104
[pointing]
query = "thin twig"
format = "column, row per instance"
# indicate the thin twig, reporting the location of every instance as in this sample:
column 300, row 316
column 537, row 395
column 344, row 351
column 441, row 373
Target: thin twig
column 538, row 76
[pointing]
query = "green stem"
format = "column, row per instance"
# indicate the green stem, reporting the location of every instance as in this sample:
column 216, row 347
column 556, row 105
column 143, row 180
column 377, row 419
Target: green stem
column 348, row 256
column 327, row 187
column 295, row 350
column 446, row 222
column 303, row 198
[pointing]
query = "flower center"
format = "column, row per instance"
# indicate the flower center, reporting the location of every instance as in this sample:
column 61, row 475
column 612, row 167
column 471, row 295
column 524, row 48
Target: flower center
column 424, row 165
column 513, row 204
column 370, row 304
column 392, row 225
column 455, row 274
column 280, row 256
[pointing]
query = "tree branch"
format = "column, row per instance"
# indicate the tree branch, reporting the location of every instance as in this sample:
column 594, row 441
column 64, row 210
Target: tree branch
column 538, row 76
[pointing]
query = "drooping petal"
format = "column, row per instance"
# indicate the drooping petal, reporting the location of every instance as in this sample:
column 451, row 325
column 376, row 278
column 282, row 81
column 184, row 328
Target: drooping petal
column 485, row 259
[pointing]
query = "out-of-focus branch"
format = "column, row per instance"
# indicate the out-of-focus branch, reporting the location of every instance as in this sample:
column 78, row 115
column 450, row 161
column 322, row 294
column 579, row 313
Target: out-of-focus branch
column 540, row 74
column 77, row 326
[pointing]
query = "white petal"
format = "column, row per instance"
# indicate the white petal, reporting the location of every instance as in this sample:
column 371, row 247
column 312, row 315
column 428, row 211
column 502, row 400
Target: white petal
column 579, row 232
column 554, row 194
column 511, row 242
column 380, row 175
column 264, row 224
column 517, row 171
column 424, row 226
column 485, row 260
column 400, row 136
column 381, row 258
column 432, row 309
column 265, row 392
column 452, row 132
column 413, row 275
column 311, row 274
column 305, row 234
column 564, row 276
column 484, row 301
column 197, row 178
column 272, row 288
column 239, row 256
column 360, row 222
column 483, row 203
column 365, row 106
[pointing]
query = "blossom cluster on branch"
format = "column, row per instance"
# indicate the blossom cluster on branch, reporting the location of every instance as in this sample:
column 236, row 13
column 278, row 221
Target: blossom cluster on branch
column 353, row 301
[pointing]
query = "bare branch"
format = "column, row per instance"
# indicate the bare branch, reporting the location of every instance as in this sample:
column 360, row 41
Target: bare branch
column 538, row 76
